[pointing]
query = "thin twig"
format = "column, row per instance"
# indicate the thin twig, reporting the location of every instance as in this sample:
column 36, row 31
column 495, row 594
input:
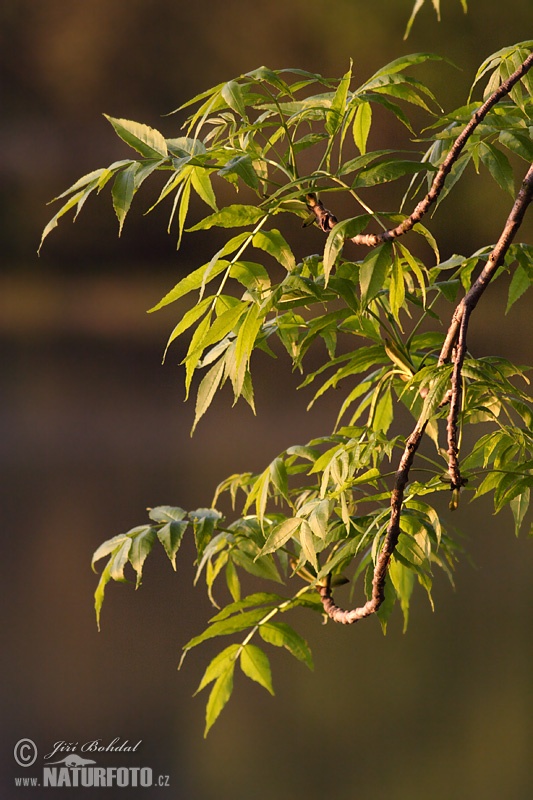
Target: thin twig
column 459, row 324
column 456, row 393
column 326, row 220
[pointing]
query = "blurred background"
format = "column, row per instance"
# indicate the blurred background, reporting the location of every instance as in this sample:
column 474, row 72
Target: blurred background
column 93, row 430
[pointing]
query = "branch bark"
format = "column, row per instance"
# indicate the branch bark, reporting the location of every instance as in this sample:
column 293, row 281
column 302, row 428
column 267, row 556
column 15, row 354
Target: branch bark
column 455, row 343
column 459, row 324
column 326, row 220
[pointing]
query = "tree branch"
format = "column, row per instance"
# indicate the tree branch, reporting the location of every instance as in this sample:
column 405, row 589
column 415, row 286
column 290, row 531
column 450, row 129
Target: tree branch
column 326, row 220
column 456, row 337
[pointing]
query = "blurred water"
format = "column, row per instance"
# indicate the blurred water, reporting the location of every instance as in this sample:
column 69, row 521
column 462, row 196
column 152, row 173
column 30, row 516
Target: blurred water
column 92, row 430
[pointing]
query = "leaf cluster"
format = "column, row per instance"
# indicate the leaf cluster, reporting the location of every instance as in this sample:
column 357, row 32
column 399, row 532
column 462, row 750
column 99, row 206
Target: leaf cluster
column 319, row 512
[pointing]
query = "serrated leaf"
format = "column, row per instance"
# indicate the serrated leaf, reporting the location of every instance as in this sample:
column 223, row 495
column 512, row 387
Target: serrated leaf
column 232, row 94
column 77, row 199
column 119, row 559
column 281, row 534
column 240, row 167
column 147, row 141
column 388, row 171
column 140, row 548
column 246, row 337
column 167, row 514
column 206, row 390
column 520, row 283
column 170, row 536
column 235, row 624
column 338, row 235
column 335, row 115
column 100, row 591
column 232, row 581
column 403, row 62
column 220, row 694
column 403, row 580
column 223, row 324
column 204, row 521
column 383, row 414
column 113, row 544
column 498, row 165
column 256, row 666
column 273, row 243
column 373, row 272
column 218, row 665
column 519, row 506
column 396, row 289
column 260, row 567
column 201, row 183
column 233, row 216
column 122, row 193
column 361, row 126
column 280, row 634
column 256, row 599
column 307, row 543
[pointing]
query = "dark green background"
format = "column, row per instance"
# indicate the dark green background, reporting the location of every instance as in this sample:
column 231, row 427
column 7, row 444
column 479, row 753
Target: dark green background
column 93, row 429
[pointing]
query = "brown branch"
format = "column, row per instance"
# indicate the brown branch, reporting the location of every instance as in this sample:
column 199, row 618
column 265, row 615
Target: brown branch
column 455, row 394
column 326, row 220
column 458, row 325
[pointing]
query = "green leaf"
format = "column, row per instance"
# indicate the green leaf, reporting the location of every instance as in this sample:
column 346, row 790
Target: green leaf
column 520, row 283
column 206, row 391
column 389, row 171
column 113, row 544
column 385, row 609
column 383, row 414
column 518, row 142
column 245, row 343
column 204, row 521
column 167, row 514
column 240, row 167
column 260, row 566
column 361, row 126
column 373, row 272
column 338, row 235
column 145, row 140
column 335, row 116
column 280, row 634
column 256, row 666
column 232, row 581
column 220, row 694
column 170, row 536
column 100, row 590
column 403, row 580
column 498, row 165
column 281, row 534
column 218, row 665
column 78, row 199
column 396, row 289
column 519, row 506
column 122, row 193
column 234, row 216
column 256, row 599
column 222, row 325
column 234, row 624
column 273, row 243
column 188, row 319
column 308, row 546
column 140, row 548
column 402, row 63
column 119, row 560
column 232, row 94
column 201, row 183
